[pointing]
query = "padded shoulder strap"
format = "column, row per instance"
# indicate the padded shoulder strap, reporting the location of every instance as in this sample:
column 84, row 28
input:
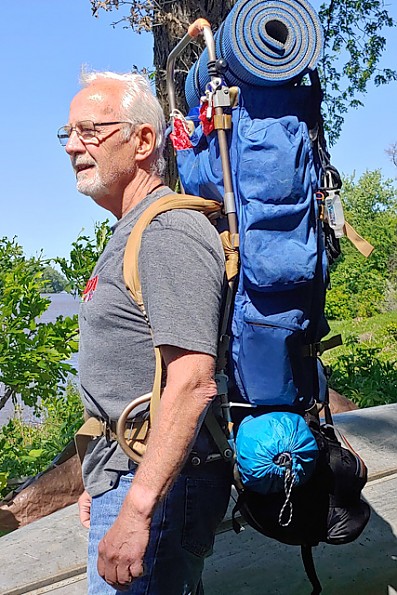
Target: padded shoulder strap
column 166, row 203
column 131, row 255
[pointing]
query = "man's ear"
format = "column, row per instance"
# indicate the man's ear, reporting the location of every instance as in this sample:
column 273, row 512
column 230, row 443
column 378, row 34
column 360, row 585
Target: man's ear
column 145, row 139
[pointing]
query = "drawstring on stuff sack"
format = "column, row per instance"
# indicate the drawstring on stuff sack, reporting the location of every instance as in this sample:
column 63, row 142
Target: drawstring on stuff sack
column 285, row 460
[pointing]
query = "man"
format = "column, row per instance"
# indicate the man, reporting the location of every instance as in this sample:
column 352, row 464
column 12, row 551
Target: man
column 151, row 526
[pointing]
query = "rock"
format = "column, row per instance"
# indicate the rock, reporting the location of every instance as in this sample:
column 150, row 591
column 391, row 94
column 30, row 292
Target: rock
column 49, row 492
column 339, row 404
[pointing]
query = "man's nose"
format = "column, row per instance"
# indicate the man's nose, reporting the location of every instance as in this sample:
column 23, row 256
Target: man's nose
column 74, row 144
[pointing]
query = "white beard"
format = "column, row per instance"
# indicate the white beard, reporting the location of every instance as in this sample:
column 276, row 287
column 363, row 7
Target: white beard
column 91, row 185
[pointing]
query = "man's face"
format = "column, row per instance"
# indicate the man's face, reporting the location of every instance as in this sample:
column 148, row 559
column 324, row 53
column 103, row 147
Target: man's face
column 105, row 164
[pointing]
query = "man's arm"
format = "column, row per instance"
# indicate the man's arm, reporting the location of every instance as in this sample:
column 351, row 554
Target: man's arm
column 189, row 390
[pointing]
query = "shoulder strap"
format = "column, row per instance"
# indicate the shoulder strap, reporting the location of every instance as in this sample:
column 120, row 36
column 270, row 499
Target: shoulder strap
column 166, row 203
column 131, row 256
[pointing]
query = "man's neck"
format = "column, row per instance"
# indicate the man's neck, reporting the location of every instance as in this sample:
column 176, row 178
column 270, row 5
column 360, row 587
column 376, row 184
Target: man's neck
column 121, row 202
column 142, row 185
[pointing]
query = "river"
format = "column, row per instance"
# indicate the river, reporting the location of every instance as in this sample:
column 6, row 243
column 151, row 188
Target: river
column 62, row 304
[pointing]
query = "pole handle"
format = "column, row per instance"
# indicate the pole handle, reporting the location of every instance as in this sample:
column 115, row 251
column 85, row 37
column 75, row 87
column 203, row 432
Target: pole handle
column 196, row 28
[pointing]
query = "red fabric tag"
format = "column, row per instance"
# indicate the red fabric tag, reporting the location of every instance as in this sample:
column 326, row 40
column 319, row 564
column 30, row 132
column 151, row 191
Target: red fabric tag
column 208, row 125
column 180, row 136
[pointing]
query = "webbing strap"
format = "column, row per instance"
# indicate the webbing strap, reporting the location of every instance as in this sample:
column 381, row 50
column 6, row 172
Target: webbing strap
column 308, row 563
column 131, row 256
column 230, row 245
column 359, row 242
column 218, row 435
column 315, row 349
column 166, row 203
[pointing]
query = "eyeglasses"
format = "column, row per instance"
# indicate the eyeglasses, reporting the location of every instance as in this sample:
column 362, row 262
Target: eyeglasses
column 85, row 130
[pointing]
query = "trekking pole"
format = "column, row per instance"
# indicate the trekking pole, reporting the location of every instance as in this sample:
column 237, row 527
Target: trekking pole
column 222, row 122
column 218, row 97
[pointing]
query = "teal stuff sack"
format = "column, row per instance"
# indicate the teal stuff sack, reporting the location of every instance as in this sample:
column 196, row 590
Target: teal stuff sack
column 272, row 448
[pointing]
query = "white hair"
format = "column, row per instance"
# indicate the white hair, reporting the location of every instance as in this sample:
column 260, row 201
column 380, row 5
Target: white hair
column 139, row 105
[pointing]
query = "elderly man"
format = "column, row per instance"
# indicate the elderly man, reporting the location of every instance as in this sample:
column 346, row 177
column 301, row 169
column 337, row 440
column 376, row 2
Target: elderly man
column 150, row 526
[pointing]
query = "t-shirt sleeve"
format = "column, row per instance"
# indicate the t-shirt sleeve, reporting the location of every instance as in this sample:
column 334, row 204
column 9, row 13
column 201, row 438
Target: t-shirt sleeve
column 181, row 276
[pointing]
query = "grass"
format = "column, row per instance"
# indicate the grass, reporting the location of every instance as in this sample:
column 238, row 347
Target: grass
column 379, row 331
column 364, row 368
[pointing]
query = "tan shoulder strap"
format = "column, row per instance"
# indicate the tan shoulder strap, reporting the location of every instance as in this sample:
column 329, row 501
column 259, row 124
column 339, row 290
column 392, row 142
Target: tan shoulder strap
column 166, row 203
column 131, row 256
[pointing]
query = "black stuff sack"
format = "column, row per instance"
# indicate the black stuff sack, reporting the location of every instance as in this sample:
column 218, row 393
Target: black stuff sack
column 327, row 508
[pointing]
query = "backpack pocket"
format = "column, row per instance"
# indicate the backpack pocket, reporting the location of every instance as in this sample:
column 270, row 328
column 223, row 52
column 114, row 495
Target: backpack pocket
column 268, row 359
column 275, row 180
column 200, row 166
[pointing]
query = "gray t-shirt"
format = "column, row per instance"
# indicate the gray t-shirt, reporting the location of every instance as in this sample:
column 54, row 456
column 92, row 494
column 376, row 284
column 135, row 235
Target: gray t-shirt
column 181, row 268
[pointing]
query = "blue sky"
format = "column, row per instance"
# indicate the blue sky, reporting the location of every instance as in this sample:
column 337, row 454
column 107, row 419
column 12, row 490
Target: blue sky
column 43, row 45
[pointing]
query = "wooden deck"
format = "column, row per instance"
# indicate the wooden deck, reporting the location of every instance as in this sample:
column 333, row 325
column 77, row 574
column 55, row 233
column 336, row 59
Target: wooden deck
column 48, row 556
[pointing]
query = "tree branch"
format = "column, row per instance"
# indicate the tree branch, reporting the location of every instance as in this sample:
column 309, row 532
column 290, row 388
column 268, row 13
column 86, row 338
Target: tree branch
column 7, row 395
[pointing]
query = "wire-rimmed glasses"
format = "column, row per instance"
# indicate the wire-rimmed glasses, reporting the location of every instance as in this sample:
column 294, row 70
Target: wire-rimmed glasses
column 85, row 130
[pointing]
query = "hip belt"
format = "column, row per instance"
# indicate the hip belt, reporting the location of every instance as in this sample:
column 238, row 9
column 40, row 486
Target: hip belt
column 136, row 433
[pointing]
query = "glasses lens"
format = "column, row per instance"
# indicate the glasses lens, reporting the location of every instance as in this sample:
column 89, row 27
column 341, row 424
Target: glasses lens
column 63, row 135
column 86, row 129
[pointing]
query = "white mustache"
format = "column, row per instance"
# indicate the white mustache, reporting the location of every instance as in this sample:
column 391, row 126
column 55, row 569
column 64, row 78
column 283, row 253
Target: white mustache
column 81, row 163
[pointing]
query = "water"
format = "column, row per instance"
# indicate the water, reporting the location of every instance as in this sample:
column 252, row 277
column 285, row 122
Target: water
column 62, row 304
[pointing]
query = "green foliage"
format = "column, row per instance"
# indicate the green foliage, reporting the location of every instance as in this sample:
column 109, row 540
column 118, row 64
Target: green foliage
column 391, row 329
column 83, row 257
column 361, row 375
column 364, row 367
column 53, row 281
column 27, row 449
column 33, row 355
column 361, row 286
column 354, row 45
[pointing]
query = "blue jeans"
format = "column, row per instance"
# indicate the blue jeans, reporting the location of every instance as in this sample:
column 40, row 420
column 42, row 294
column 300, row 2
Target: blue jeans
column 181, row 536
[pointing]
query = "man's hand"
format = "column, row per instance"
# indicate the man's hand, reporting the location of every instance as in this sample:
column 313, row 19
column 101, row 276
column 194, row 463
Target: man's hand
column 84, row 503
column 121, row 551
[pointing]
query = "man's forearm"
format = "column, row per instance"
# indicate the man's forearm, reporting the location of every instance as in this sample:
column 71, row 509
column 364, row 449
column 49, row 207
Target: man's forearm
column 181, row 411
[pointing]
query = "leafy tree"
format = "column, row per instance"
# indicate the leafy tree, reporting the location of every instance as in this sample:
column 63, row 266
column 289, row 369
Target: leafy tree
column 53, row 281
column 354, row 45
column 27, row 449
column 359, row 285
column 33, row 354
column 391, row 151
column 83, row 257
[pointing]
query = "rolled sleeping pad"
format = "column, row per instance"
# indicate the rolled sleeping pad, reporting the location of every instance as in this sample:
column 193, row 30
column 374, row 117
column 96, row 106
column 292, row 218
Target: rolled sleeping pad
column 264, row 42
column 265, row 441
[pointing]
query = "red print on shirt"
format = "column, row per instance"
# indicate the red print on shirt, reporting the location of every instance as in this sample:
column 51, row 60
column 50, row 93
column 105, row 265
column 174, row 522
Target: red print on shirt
column 91, row 286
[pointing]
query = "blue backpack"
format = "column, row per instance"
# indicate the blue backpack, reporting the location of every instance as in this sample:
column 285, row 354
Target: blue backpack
column 286, row 194
column 278, row 318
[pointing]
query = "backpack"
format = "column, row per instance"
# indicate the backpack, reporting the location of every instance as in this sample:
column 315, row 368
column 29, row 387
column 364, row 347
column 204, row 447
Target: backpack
column 298, row 480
